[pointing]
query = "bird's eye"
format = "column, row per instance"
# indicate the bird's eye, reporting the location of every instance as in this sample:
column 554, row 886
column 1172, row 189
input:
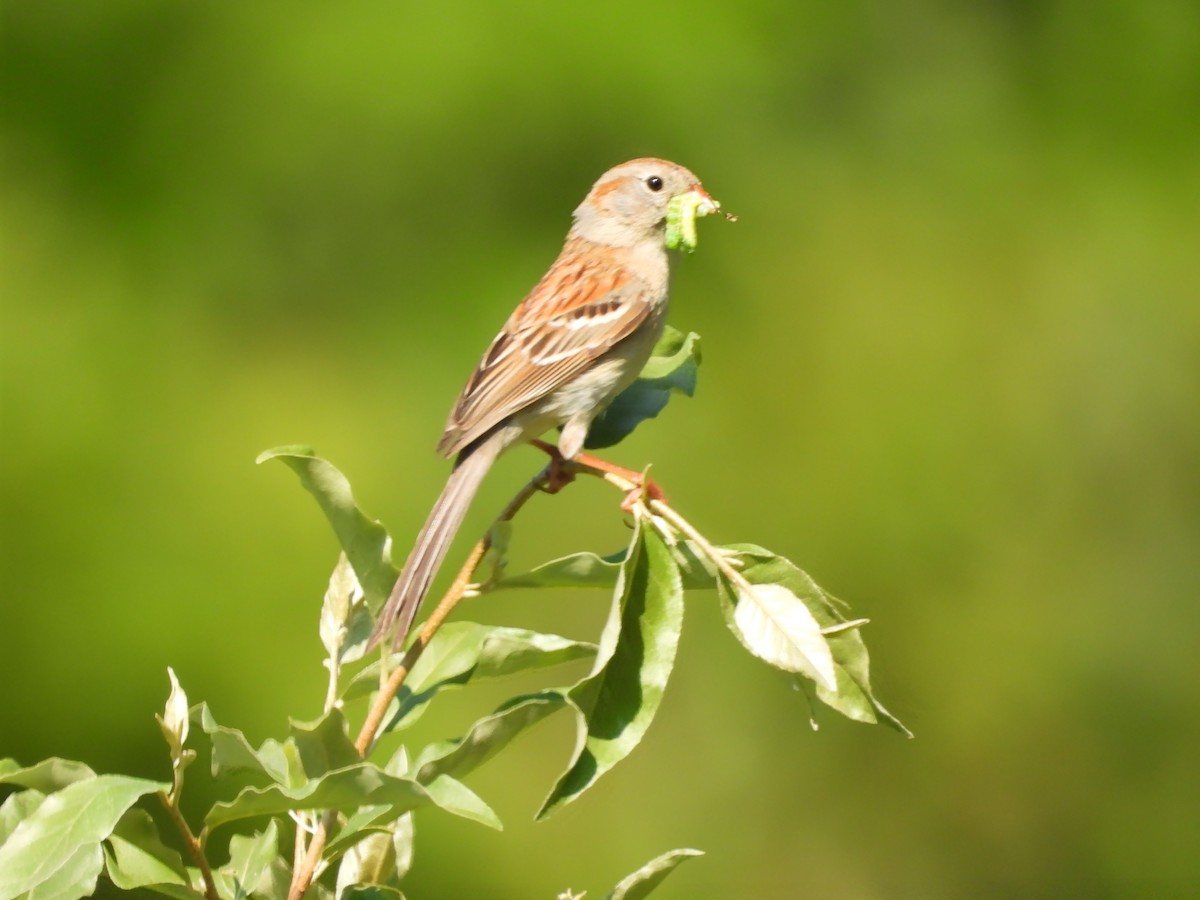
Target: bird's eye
column 654, row 183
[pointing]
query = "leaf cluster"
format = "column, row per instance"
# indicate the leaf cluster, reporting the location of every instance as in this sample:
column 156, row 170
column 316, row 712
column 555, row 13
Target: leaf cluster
column 351, row 814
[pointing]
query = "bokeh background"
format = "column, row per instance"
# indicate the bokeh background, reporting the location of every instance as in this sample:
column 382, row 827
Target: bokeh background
column 952, row 369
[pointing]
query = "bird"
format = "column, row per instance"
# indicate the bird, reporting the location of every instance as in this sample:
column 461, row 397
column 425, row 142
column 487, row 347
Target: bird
column 578, row 339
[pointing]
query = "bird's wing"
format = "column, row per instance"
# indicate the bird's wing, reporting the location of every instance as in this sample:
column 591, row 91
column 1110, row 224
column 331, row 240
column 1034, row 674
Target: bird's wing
column 582, row 308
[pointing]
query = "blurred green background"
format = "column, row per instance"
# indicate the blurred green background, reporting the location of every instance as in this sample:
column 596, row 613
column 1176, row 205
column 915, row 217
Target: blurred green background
column 952, row 369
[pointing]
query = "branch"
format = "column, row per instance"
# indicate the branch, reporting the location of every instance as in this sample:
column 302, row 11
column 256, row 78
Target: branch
column 457, row 590
column 195, row 848
column 302, row 877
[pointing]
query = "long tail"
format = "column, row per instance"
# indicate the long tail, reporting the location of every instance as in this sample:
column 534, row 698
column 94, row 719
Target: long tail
column 397, row 615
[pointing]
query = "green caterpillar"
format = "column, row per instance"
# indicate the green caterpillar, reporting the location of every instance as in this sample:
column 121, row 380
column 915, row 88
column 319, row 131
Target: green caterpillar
column 682, row 212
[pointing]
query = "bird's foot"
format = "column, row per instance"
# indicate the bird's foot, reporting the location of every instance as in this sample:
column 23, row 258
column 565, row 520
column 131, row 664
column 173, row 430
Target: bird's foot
column 559, row 475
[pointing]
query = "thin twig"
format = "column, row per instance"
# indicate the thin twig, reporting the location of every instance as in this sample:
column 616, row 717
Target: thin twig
column 195, row 848
column 299, row 850
column 302, row 877
column 454, row 594
column 662, row 509
column 718, row 558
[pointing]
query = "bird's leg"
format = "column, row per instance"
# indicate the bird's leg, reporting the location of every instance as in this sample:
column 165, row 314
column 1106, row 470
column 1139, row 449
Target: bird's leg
column 560, row 476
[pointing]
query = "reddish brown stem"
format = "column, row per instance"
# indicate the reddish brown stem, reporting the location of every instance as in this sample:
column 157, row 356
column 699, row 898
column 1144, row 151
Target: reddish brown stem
column 593, row 465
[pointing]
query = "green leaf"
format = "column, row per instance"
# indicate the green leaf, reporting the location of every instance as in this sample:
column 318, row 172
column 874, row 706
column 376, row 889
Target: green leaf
column 136, row 857
column 455, row 797
column 579, row 570
column 180, row 891
column 231, row 752
column 378, row 820
column 364, row 540
column 775, row 625
column 590, row 570
column 46, row 776
column 76, row 877
column 311, row 749
column 367, row 820
column 16, row 808
column 639, row 884
column 403, row 835
column 371, row 892
column 374, row 819
column 277, row 880
column 324, row 744
column 250, row 860
column 487, row 737
column 462, row 652
column 59, row 844
column 371, row 861
column 345, row 790
column 617, row 702
column 506, row 651
column 495, row 558
column 853, row 696
column 344, row 616
column 672, row 367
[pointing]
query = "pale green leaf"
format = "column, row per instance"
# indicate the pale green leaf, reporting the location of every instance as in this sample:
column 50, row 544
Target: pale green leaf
column 364, row 540
column 343, row 790
column 250, row 859
column 774, row 625
column 61, row 839
column 487, row 737
column 579, row 570
column 462, row 652
column 403, row 839
column 311, row 749
column 278, row 879
column 369, row 819
column 455, row 797
column 76, row 877
column 342, row 598
column 232, row 752
column 370, row 861
column 348, row 790
column 590, row 570
column 46, row 776
column 324, row 744
column 136, row 857
column 16, row 808
column 639, row 884
column 853, row 696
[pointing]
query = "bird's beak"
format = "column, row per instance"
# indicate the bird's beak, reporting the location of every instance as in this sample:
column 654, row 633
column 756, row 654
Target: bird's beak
column 704, row 204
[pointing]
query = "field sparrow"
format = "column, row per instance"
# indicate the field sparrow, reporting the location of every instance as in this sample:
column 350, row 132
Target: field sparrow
column 580, row 338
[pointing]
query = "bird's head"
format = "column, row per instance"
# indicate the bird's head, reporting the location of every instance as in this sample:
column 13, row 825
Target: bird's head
column 644, row 199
